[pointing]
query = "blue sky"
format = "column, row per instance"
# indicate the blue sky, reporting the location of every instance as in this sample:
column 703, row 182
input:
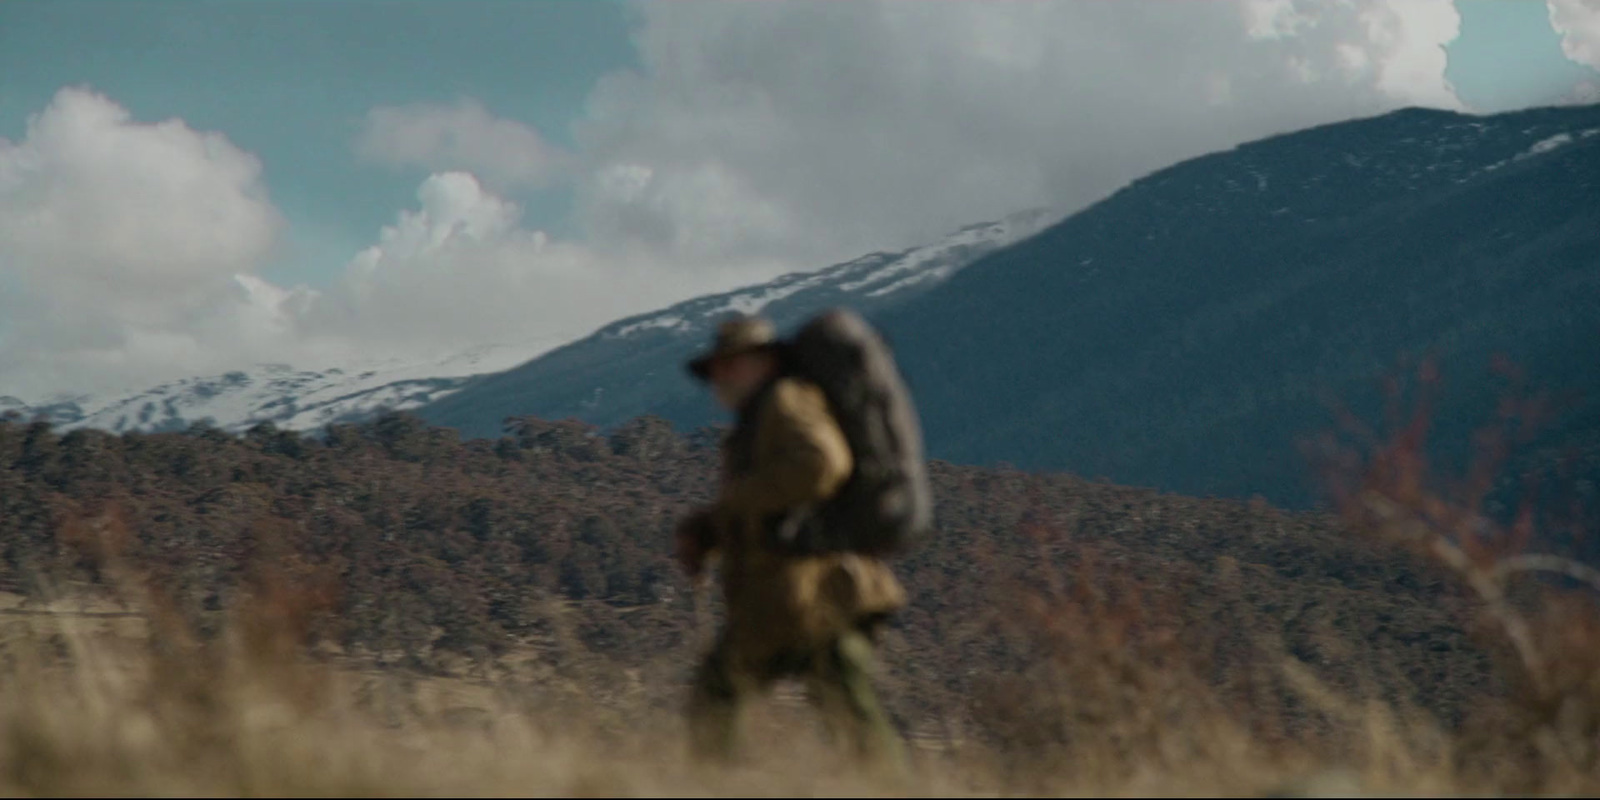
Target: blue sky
column 320, row 180
column 291, row 80
column 1508, row 56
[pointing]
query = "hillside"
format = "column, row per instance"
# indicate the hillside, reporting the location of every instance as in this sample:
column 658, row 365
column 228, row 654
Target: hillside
column 1186, row 332
column 581, row 379
column 633, row 366
column 295, row 399
column 552, row 544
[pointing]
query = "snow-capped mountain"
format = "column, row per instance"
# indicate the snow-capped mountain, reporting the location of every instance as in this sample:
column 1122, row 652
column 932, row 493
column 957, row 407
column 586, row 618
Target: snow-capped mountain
column 1188, row 331
column 870, row 279
column 630, row 366
column 300, row 399
column 277, row 393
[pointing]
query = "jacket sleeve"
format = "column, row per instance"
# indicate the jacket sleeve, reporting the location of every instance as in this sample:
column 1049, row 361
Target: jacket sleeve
column 802, row 457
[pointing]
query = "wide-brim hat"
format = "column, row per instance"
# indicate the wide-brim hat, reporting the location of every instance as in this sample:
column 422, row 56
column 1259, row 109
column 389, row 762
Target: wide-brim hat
column 735, row 336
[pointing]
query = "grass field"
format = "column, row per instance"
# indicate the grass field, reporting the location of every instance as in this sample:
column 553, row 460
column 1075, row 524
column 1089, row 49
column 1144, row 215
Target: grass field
column 105, row 698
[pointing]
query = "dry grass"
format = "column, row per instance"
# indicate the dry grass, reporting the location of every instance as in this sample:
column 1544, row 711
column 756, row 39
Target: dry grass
column 101, row 701
column 113, row 705
column 106, row 692
column 110, row 696
column 1545, row 737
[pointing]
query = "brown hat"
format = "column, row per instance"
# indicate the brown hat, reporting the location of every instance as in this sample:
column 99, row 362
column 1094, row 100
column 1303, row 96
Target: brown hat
column 734, row 337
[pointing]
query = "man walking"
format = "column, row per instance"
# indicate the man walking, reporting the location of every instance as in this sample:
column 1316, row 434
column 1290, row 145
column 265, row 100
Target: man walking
column 791, row 611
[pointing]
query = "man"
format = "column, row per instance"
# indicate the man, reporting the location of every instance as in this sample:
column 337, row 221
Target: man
column 788, row 614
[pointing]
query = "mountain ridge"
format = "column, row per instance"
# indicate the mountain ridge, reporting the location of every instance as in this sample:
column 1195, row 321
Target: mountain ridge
column 1305, row 266
column 634, row 366
column 1189, row 331
column 306, row 399
column 296, row 399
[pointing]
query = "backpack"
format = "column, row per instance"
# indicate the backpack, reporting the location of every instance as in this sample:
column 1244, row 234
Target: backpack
column 885, row 505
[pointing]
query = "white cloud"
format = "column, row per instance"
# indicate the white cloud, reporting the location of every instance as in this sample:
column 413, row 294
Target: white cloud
column 754, row 138
column 461, row 271
column 464, row 136
column 1407, row 40
column 119, row 238
column 1578, row 22
column 895, row 122
column 129, row 253
column 124, row 208
column 1275, row 19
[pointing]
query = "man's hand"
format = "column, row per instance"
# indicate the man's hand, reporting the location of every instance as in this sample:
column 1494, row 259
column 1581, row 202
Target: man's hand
column 694, row 539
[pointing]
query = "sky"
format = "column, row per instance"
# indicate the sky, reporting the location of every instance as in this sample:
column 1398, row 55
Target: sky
column 193, row 187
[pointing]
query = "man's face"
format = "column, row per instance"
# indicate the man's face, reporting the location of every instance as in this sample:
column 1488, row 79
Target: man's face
column 734, row 378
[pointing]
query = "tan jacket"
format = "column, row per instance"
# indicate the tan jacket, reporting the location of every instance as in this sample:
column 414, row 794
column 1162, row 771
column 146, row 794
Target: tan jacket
column 797, row 457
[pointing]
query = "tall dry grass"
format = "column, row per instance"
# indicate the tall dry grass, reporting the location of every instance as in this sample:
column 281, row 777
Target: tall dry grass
column 105, row 690
column 110, row 693
column 107, row 694
column 1537, row 610
column 111, row 706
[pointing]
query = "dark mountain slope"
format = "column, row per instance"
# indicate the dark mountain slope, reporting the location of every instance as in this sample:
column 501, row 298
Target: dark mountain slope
column 635, row 366
column 1186, row 331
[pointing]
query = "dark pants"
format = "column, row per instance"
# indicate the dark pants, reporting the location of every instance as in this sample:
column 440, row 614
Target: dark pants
column 838, row 677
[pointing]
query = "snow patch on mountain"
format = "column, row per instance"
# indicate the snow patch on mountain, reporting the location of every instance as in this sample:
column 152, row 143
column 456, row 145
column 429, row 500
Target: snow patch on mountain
column 1539, row 148
column 277, row 393
column 943, row 259
column 670, row 322
column 753, row 302
column 910, row 280
column 307, row 399
column 1546, row 145
column 875, row 275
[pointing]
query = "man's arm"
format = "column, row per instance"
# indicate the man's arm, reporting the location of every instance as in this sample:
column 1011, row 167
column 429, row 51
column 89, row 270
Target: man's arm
column 802, row 457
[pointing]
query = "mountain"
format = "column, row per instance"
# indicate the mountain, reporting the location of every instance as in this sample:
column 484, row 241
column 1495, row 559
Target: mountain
column 635, row 366
column 288, row 398
column 299, row 399
column 553, row 548
column 1188, row 331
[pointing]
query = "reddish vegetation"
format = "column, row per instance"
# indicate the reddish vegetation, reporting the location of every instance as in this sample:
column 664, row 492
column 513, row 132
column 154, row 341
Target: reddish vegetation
column 556, row 538
column 1535, row 603
column 1055, row 620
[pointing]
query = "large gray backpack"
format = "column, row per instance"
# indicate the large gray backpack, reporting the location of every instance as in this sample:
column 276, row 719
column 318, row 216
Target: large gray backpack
column 886, row 504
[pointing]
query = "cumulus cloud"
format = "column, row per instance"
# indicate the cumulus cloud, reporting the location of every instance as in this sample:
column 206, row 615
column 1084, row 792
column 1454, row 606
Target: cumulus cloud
column 464, row 136
column 123, row 208
column 461, row 270
column 119, row 240
column 754, row 138
column 1578, row 22
column 808, row 132
column 129, row 255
